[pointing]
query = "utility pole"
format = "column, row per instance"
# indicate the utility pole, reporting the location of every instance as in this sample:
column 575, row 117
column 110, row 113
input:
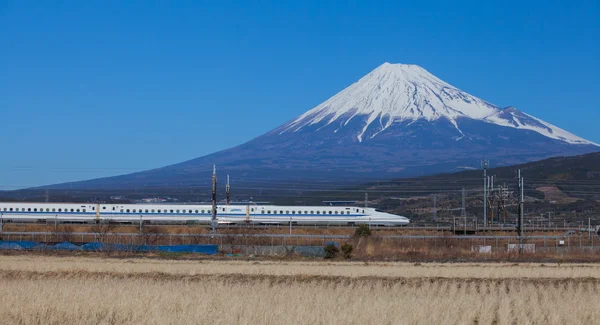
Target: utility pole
column 491, row 197
column 227, row 192
column 434, row 208
column 366, row 200
column 504, row 195
column 521, row 217
column 213, row 220
column 463, row 212
column 47, row 196
column 485, row 181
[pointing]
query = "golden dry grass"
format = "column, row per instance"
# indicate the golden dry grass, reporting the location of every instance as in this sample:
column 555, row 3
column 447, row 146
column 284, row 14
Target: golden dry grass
column 84, row 290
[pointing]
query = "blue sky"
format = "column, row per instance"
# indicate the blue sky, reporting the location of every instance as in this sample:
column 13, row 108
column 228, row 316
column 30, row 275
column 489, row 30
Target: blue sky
column 98, row 88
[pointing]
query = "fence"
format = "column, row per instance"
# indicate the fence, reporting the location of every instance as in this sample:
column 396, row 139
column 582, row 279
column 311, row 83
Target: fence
column 568, row 242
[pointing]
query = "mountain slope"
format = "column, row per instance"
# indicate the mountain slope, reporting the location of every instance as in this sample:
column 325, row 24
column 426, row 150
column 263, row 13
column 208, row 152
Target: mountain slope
column 395, row 93
column 397, row 121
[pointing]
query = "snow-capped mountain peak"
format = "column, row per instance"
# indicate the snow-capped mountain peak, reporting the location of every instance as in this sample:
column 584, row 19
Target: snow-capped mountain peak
column 397, row 93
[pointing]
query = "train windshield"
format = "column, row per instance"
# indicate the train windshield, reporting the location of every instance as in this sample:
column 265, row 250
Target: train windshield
column 379, row 210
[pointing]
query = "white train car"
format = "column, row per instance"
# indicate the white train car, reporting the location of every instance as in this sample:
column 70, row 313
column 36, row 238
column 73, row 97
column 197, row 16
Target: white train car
column 183, row 213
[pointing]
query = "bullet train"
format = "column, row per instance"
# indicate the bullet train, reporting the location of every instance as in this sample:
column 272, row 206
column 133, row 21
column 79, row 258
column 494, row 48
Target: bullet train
column 183, row 213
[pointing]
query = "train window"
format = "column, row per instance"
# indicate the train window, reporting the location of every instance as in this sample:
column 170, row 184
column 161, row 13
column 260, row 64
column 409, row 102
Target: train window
column 305, row 212
column 330, row 212
column 114, row 209
column 190, row 211
column 103, row 208
column 223, row 209
column 28, row 209
column 177, row 211
column 77, row 210
column 171, row 211
column 47, row 210
column 10, row 209
column 53, row 209
column 293, row 212
column 72, row 210
column 252, row 209
column 287, row 212
column 363, row 211
column 268, row 211
column 121, row 210
column 83, row 210
column 146, row 211
column 93, row 209
column 347, row 212
column 35, row 210
column 59, row 210
column 356, row 210
column 281, row 212
column 152, row 210
column 127, row 210
column 318, row 212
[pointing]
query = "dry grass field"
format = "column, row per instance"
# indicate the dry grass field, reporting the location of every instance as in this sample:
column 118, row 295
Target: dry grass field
column 87, row 290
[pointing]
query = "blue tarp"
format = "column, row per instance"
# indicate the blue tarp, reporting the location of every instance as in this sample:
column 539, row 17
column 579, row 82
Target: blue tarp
column 9, row 245
column 65, row 246
column 203, row 249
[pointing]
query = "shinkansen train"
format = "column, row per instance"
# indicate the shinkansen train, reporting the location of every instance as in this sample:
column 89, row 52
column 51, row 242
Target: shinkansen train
column 180, row 213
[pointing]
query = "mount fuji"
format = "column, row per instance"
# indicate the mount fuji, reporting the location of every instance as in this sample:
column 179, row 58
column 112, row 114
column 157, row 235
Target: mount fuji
column 397, row 121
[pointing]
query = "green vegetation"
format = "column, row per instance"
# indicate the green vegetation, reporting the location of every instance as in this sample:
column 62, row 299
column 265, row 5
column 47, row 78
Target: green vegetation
column 347, row 251
column 362, row 231
column 331, row 251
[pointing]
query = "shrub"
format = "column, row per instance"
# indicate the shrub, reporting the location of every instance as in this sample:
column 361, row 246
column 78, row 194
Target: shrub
column 347, row 250
column 362, row 231
column 331, row 251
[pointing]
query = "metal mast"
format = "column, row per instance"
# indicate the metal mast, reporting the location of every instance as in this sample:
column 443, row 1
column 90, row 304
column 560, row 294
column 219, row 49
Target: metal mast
column 485, row 181
column 213, row 221
column 434, row 208
column 227, row 193
column 463, row 212
column 520, row 223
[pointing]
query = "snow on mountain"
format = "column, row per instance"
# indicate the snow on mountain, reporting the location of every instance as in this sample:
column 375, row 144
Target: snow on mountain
column 397, row 93
column 397, row 121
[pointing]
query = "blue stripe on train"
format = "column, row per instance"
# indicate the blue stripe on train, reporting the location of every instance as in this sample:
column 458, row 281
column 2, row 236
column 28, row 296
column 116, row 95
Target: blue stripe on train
column 182, row 214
